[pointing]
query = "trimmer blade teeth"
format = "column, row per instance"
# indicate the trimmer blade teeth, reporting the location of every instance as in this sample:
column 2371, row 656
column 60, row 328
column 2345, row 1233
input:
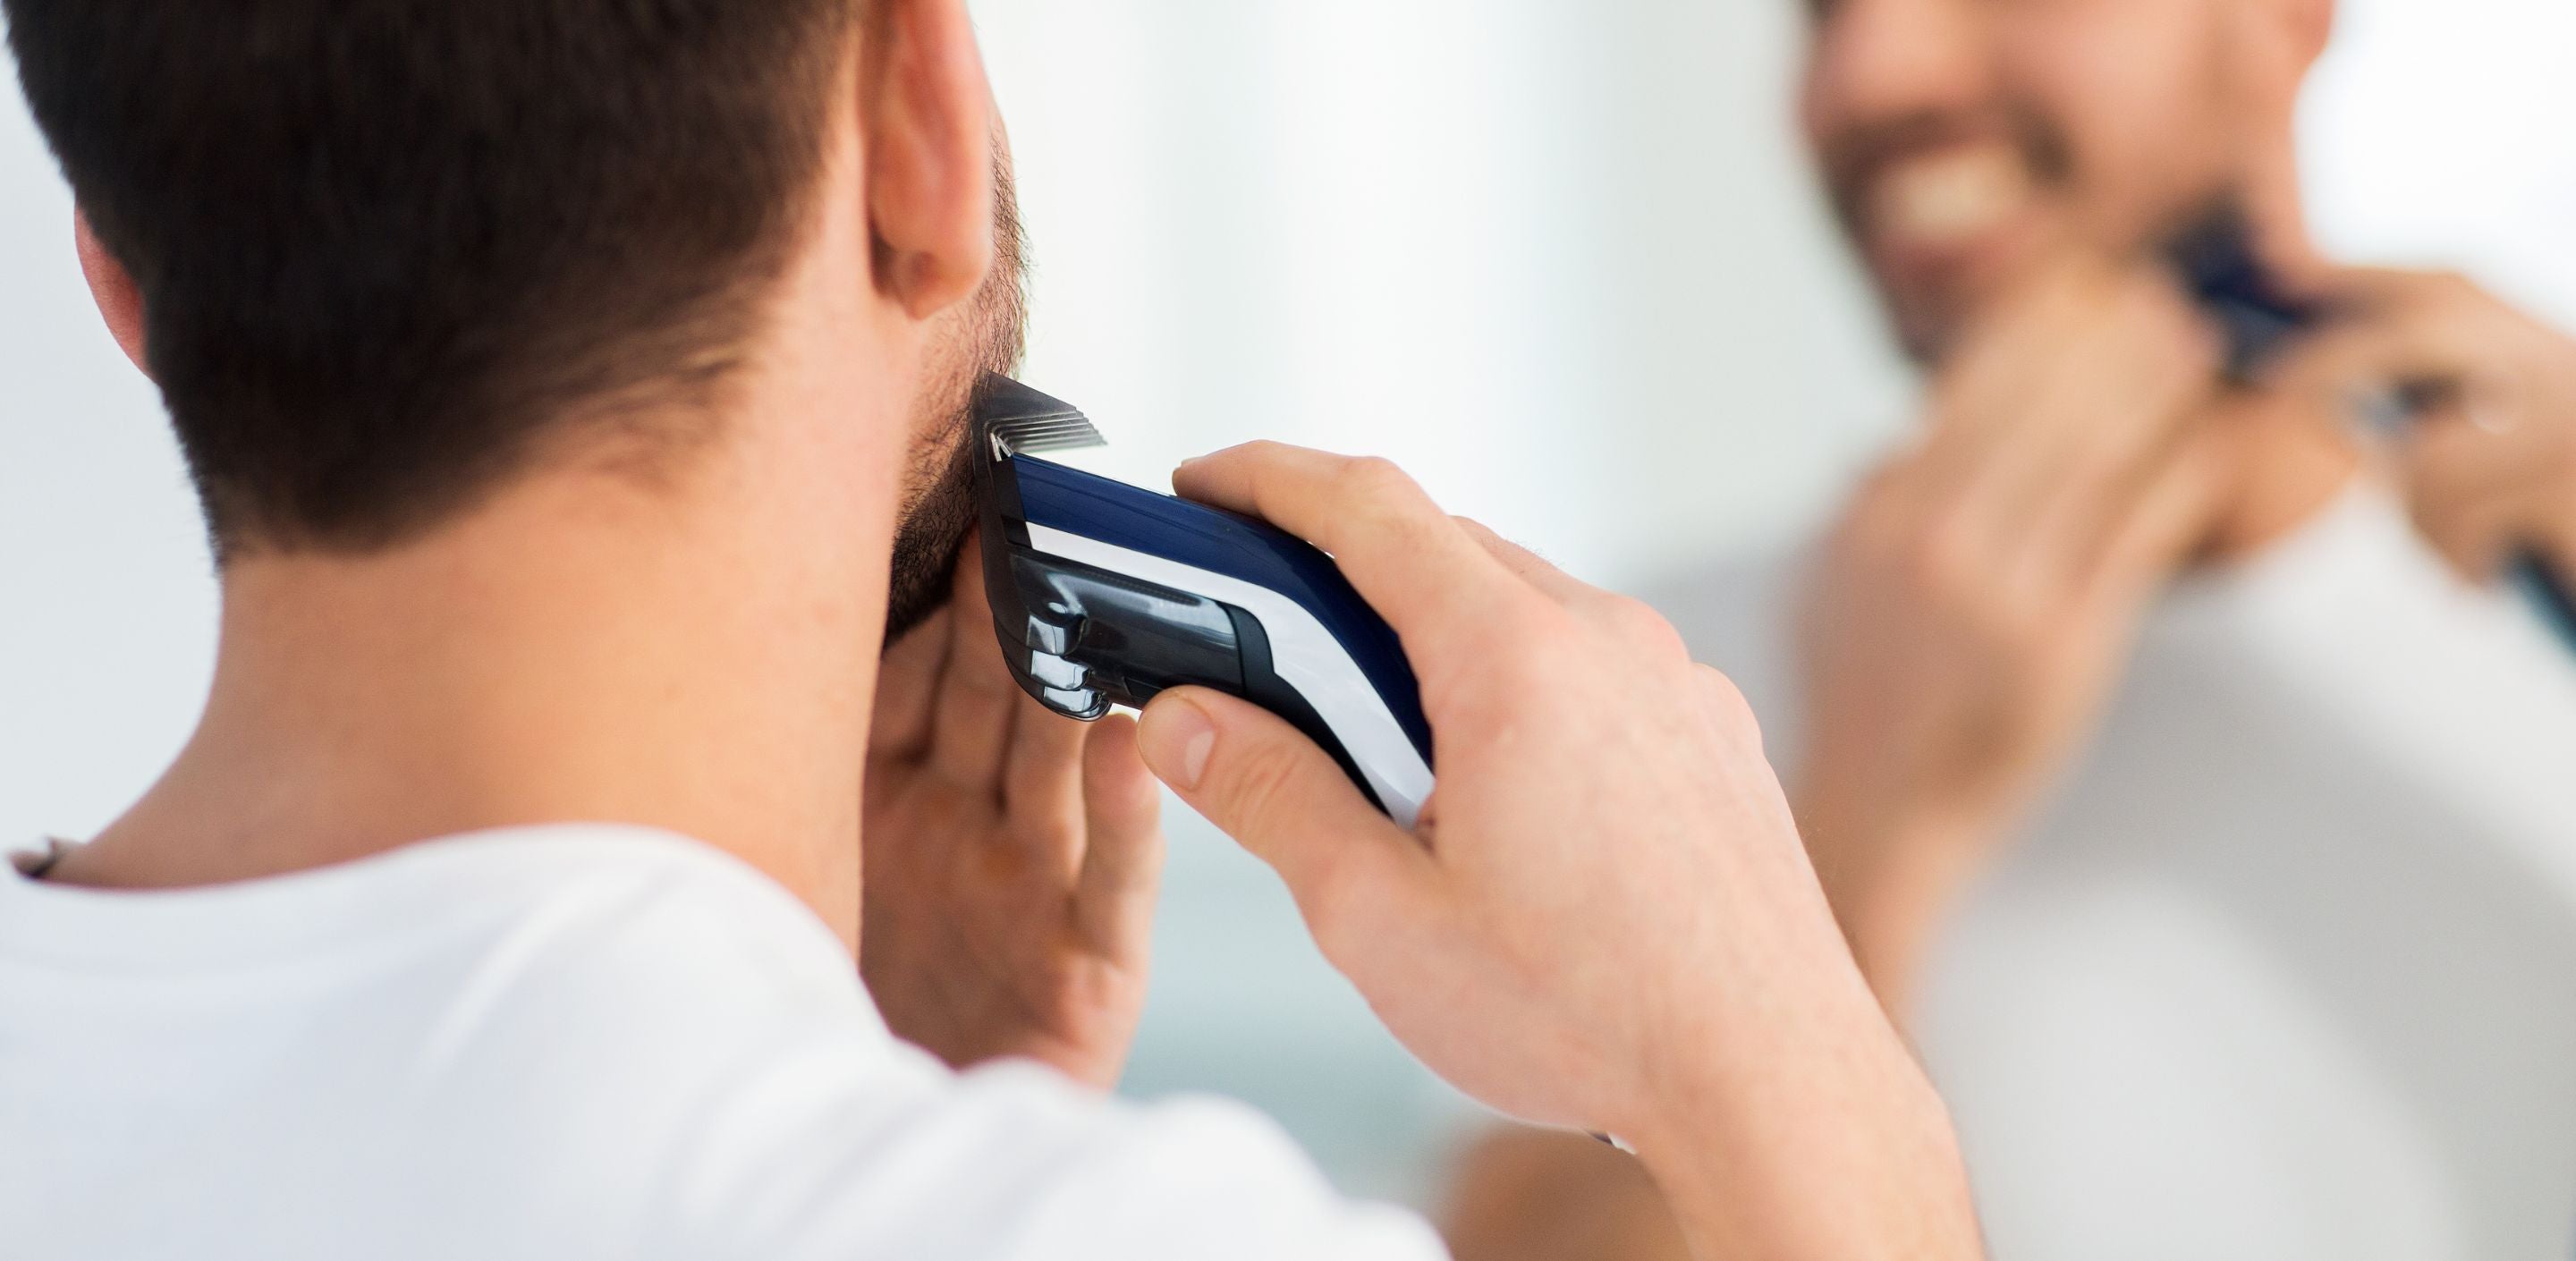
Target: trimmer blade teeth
column 1067, row 433
column 1017, row 420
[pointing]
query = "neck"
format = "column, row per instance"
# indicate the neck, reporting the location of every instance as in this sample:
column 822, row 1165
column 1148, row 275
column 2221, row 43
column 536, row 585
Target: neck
column 2290, row 463
column 695, row 655
column 2290, row 459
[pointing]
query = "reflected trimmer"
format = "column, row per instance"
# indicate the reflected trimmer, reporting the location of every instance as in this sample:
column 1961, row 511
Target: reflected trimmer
column 1105, row 594
column 2259, row 317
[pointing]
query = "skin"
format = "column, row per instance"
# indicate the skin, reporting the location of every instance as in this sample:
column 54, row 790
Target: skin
column 1013, row 859
column 698, row 651
column 570, row 681
column 1527, row 940
column 1022, row 981
column 2490, row 470
column 1983, row 592
column 1976, row 605
column 1548, row 1195
column 1024, row 931
column 1978, row 600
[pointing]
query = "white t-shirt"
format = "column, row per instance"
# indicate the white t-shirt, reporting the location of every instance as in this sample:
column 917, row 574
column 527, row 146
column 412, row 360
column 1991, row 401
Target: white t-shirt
column 564, row 1043
column 2287, row 969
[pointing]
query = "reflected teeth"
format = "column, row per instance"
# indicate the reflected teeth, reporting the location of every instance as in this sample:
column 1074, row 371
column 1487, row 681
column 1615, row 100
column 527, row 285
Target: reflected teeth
column 1949, row 197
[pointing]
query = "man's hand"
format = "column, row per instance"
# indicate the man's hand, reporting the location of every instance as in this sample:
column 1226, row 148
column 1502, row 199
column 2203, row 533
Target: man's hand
column 2490, row 469
column 1012, row 859
column 1605, row 919
column 1981, row 595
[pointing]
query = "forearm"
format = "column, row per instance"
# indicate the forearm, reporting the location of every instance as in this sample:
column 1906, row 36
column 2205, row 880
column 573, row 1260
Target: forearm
column 1893, row 872
column 1817, row 1136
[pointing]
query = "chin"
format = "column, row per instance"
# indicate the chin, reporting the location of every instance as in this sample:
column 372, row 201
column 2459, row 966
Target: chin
column 929, row 541
column 1934, row 298
column 1927, row 325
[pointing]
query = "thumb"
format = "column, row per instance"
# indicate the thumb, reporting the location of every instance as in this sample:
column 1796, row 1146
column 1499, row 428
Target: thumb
column 1280, row 796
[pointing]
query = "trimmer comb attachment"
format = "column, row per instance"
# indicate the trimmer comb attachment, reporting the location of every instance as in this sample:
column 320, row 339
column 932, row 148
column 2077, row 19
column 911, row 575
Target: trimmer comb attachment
column 1020, row 421
column 1106, row 595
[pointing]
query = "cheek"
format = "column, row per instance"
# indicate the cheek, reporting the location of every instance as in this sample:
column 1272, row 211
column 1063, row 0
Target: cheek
column 1811, row 119
column 2135, row 93
column 1841, row 85
column 1825, row 82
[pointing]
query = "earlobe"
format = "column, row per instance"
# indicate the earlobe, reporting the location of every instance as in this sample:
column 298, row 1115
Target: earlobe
column 120, row 302
column 927, row 115
column 2311, row 25
column 2280, row 43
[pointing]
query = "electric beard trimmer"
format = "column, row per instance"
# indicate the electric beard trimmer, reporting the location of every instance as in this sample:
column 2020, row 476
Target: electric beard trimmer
column 2259, row 317
column 1106, row 595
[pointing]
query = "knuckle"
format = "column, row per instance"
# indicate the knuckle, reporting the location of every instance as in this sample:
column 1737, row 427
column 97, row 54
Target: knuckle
column 1325, row 888
column 1524, row 655
column 1945, row 566
column 2194, row 341
column 1503, row 664
column 1886, row 482
column 1378, row 477
column 1927, row 571
column 1880, row 534
column 1261, row 783
column 1640, row 624
column 2558, row 458
column 2433, row 455
column 1864, row 534
column 2160, row 318
column 1387, row 501
column 2017, row 617
column 1727, row 702
column 1405, row 534
column 2432, row 517
column 1258, row 460
column 2142, row 294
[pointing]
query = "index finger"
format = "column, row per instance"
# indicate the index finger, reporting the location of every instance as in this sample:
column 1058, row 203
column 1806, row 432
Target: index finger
column 2344, row 363
column 1412, row 562
column 1536, row 570
column 2384, row 288
column 908, row 688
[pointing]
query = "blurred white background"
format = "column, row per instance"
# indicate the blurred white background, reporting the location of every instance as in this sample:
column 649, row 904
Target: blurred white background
column 1560, row 257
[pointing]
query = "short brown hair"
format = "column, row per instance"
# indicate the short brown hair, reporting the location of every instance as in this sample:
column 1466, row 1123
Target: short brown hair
column 381, row 243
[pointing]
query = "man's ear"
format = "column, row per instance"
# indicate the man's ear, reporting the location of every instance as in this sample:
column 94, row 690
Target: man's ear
column 2298, row 29
column 927, row 114
column 2277, row 43
column 112, row 287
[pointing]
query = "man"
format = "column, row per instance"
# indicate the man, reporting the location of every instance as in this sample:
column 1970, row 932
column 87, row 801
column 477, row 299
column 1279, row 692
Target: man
column 558, row 375
column 2284, row 967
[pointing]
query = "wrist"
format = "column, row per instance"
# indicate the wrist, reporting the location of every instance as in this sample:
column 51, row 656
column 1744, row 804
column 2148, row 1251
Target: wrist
column 1809, row 1131
column 1892, row 869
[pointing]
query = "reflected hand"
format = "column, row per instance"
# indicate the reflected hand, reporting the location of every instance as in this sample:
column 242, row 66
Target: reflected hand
column 1604, row 919
column 2490, row 468
column 1012, row 859
column 1979, row 599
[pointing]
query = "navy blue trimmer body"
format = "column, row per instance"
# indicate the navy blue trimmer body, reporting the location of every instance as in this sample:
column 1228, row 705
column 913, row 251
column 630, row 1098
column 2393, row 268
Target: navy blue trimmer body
column 1105, row 594
column 2259, row 318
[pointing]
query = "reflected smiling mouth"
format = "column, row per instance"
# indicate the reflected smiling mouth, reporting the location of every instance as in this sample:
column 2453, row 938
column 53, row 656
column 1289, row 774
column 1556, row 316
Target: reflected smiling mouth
column 1944, row 200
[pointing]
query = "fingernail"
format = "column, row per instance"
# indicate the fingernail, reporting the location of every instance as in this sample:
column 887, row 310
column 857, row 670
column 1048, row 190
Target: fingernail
column 1176, row 738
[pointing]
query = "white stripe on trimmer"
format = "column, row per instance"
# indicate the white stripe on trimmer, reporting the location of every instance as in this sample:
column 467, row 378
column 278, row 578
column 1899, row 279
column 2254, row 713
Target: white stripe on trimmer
column 1302, row 653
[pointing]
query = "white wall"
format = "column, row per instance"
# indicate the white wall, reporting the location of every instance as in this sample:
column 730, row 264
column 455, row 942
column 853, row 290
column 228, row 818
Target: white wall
column 107, row 600
column 1559, row 256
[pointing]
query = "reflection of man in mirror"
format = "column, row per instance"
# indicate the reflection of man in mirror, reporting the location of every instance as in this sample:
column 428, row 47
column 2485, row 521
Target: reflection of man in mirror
column 2176, row 766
